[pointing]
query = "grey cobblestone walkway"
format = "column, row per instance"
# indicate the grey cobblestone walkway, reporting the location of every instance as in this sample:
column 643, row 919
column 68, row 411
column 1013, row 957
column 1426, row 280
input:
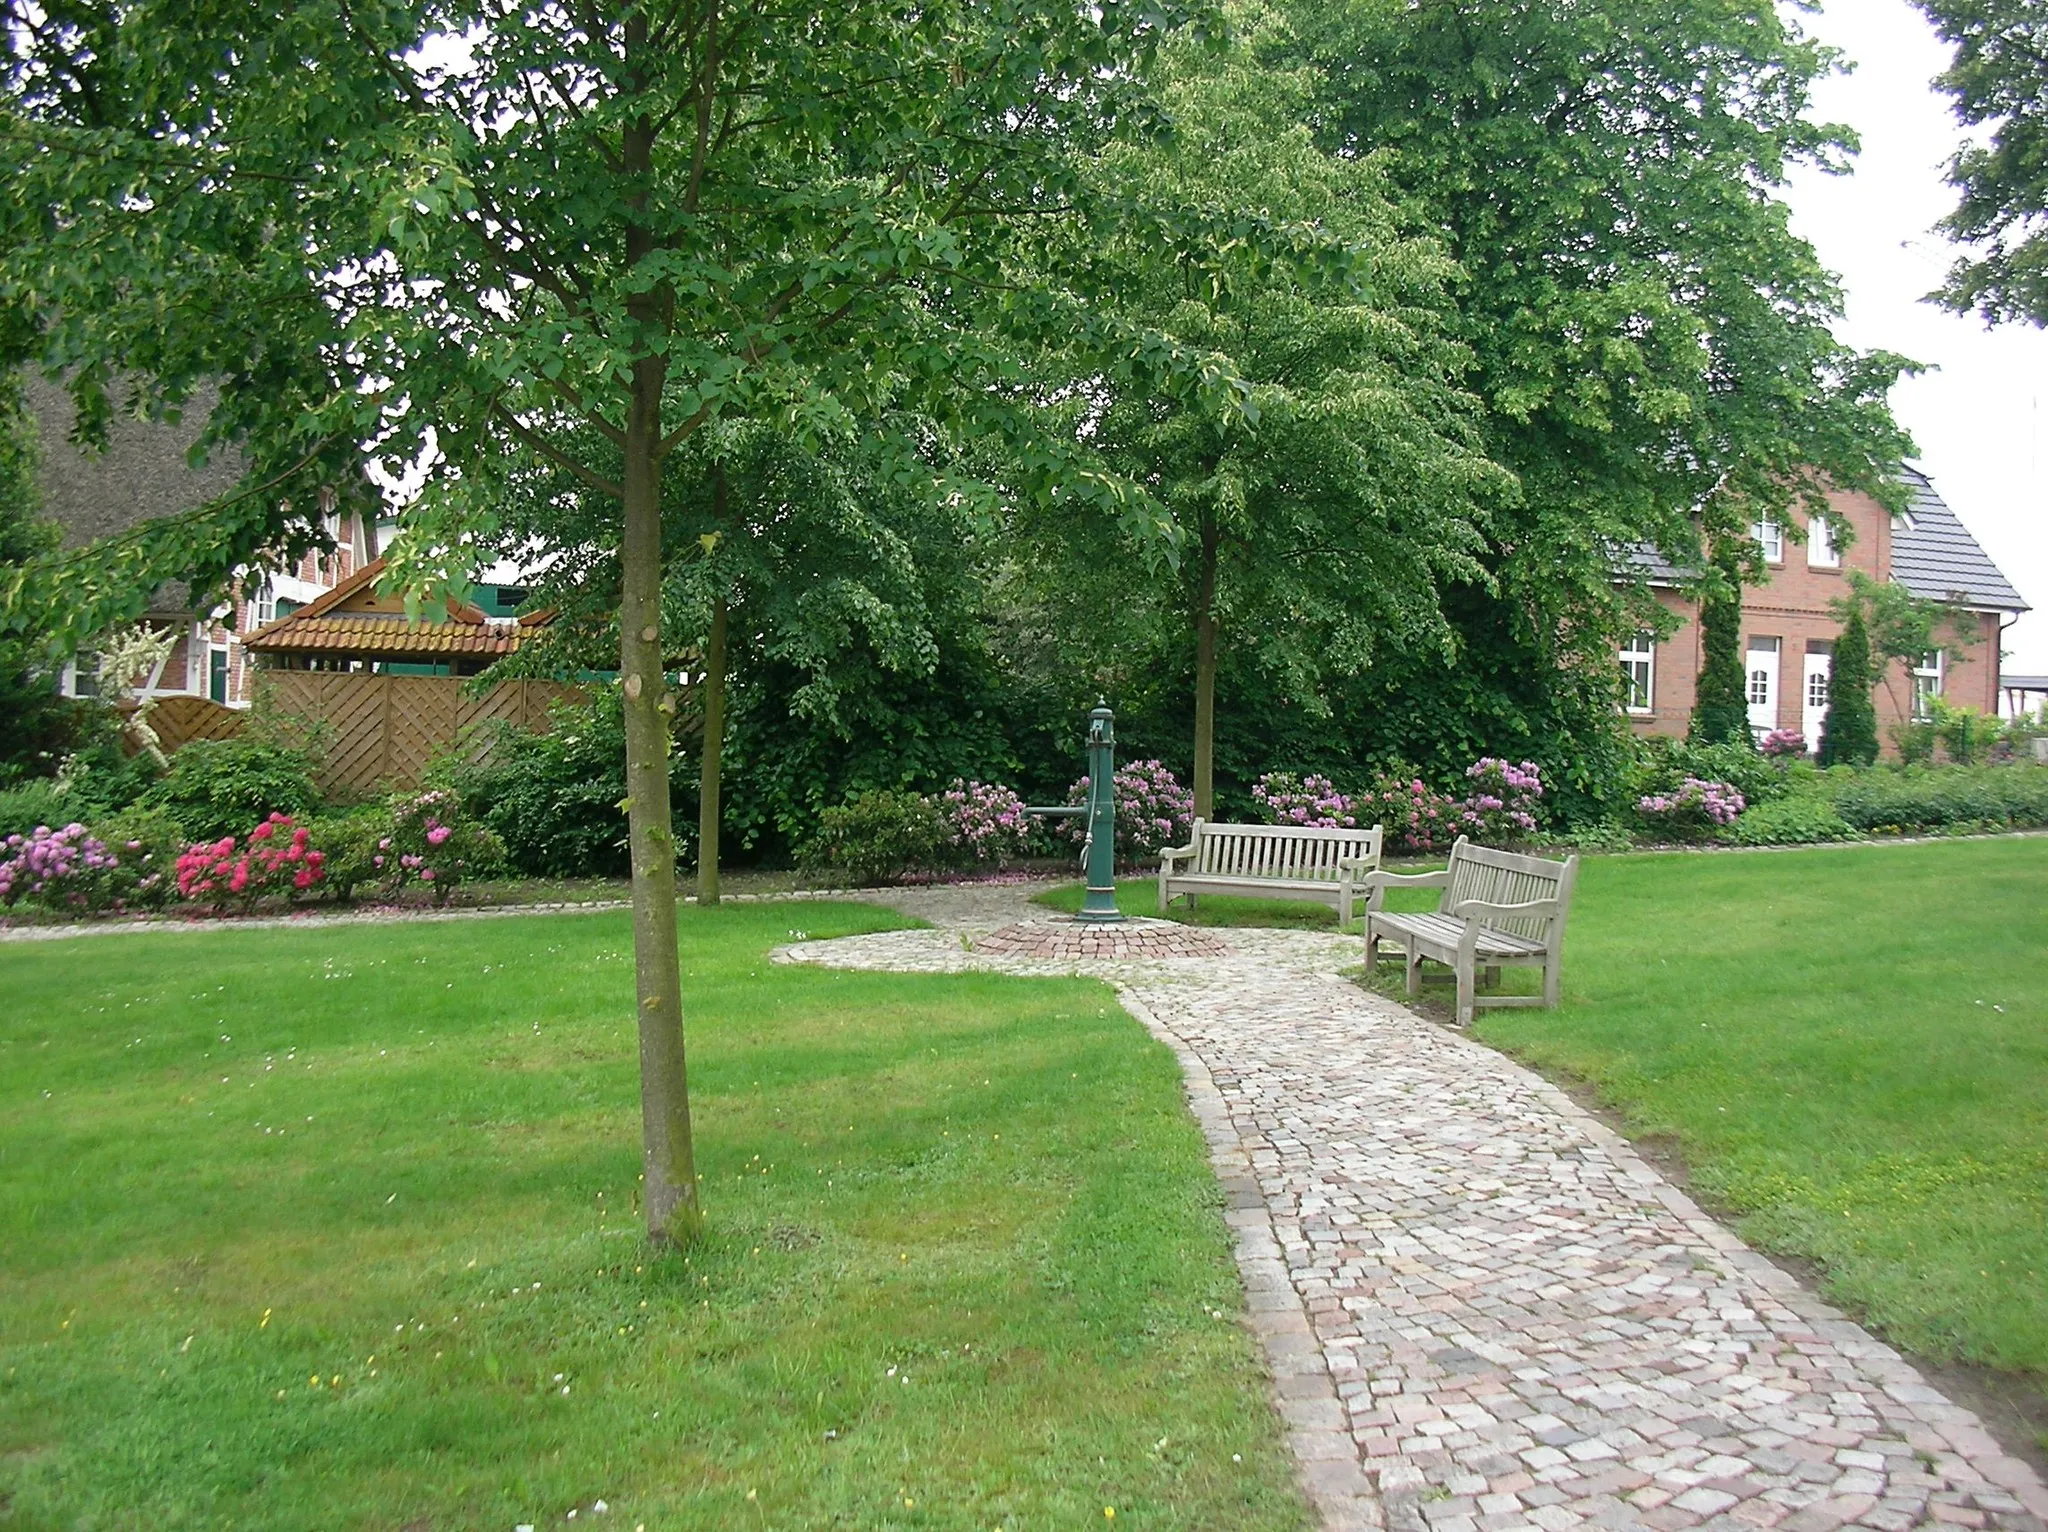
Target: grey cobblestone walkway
column 1482, row 1310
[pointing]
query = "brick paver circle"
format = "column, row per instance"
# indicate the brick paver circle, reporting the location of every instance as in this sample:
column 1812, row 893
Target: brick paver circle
column 1482, row 1310
column 1077, row 939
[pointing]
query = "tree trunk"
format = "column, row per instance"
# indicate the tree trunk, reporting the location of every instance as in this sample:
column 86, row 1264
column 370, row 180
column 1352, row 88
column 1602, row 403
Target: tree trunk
column 714, row 745
column 673, row 1212
column 1205, row 672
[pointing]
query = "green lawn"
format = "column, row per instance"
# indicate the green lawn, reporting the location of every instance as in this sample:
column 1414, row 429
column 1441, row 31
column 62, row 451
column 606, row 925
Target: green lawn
column 335, row 1228
column 1849, row 1047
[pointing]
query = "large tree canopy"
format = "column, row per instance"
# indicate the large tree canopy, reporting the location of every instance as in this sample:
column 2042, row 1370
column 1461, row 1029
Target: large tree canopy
column 470, row 234
column 1999, row 80
column 1651, row 340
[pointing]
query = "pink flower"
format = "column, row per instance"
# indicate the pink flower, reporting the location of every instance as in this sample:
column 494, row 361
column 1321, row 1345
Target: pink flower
column 438, row 834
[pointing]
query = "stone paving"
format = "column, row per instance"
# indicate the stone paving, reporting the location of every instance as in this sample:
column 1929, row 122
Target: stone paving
column 1482, row 1310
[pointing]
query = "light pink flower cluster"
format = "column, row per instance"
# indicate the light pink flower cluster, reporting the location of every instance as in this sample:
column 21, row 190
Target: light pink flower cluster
column 1500, row 807
column 1282, row 798
column 53, row 867
column 1414, row 816
column 1152, row 810
column 1694, row 811
column 1782, row 742
column 432, row 841
column 988, row 820
column 277, row 856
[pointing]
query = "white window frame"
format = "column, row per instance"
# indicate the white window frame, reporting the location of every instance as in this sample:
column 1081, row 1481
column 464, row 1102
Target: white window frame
column 1821, row 552
column 1771, row 537
column 1930, row 677
column 1639, row 668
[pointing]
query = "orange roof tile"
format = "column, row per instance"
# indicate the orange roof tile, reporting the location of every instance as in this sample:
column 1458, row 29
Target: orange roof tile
column 377, row 634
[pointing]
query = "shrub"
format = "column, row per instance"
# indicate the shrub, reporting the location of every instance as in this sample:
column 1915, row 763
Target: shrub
column 1663, row 765
column 1782, row 744
column 277, row 857
column 350, row 841
column 435, row 843
column 878, row 836
column 1152, row 811
column 988, row 821
column 1944, row 798
column 1848, row 732
column 1282, row 798
column 1501, row 806
column 1965, row 733
column 36, row 802
column 1694, row 812
column 146, row 843
column 553, row 800
column 215, row 787
column 1414, row 817
column 64, row 869
column 1791, row 822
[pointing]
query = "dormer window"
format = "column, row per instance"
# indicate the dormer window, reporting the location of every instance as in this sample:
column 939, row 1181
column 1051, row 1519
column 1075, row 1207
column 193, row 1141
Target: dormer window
column 1771, row 537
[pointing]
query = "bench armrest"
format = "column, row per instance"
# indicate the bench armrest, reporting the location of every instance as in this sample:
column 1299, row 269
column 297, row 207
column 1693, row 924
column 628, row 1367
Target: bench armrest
column 1406, row 879
column 1481, row 909
column 1168, row 855
column 1358, row 864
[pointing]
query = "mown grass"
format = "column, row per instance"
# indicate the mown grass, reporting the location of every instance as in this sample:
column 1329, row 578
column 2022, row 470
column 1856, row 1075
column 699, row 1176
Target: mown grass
column 337, row 1228
column 1848, row 1047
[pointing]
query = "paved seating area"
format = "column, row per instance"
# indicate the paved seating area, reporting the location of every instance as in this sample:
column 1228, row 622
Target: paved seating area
column 1483, row 1311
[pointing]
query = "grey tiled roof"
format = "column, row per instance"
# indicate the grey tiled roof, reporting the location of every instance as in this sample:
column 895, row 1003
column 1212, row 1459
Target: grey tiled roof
column 1935, row 557
column 1644, row 560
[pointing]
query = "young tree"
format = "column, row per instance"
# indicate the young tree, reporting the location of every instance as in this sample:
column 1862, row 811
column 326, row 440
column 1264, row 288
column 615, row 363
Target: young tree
column 1720, row 709
column 1999, row 79
column 450, row 231
column 1848, row 732
column 1321, row 514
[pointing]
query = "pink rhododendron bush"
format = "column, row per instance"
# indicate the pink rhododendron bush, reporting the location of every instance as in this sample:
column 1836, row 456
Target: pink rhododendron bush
column 1282, row 798
column 1153, row 810
column 434, row 845
column 989, row 823
column 69, row 871
column 1693, row 812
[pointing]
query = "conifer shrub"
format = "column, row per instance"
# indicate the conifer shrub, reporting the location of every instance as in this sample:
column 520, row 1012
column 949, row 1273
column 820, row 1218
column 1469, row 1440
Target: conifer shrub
column 1848, row 732
column 1720, row 713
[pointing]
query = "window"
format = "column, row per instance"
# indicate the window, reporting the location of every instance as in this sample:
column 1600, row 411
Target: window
column 1759, row 687
column 85, row 678
column 1821, row 552
column 263, row 608
column 1772, row 537
column 1816, row 684
column 1638, row 665
column 1927, row 679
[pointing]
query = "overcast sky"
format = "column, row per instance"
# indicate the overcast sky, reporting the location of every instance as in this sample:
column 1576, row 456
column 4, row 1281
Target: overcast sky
column 1976, row 413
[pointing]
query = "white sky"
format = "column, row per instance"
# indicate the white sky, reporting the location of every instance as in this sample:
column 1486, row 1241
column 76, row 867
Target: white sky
column 1977, row 413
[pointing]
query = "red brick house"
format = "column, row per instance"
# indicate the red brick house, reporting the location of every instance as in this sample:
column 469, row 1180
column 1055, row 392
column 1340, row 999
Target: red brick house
column 1788, row 632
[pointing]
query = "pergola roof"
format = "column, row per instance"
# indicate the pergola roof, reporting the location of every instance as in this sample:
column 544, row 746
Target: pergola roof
column 353, row 620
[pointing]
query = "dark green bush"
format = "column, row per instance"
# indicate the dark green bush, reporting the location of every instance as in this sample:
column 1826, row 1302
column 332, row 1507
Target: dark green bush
column 1790, row 822
column 219, row 787
column 879, row 836
column 349, row 839
column 554, row 799
column 148, row 843
column 1944, row 798
column 1662, row 765
column 38, row 801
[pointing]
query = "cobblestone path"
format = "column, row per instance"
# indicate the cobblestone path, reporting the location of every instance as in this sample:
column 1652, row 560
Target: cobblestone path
column 1482, row 1310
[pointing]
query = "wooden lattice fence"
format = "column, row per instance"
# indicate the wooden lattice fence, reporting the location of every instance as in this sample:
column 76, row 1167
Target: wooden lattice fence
column 178, row 720
column 381, row 731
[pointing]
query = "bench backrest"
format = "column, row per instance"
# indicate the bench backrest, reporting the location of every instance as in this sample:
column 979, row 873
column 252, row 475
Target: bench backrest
column 1506, row 877
column 1297, row 853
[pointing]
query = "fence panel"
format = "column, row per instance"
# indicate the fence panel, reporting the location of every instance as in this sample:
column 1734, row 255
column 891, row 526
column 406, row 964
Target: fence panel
column 181, row 719
column 383, row 730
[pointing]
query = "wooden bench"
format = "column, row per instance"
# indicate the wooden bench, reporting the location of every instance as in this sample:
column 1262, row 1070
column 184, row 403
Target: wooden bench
column 1497, row 910
column 1273, row 862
